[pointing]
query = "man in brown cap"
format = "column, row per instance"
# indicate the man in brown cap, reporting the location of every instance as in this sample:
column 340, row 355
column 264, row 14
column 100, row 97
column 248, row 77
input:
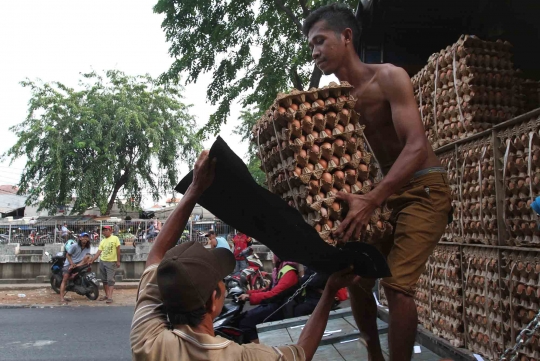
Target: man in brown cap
column 181, row 292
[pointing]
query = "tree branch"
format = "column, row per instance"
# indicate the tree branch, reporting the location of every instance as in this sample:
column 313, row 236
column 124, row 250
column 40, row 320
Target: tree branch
column 316, row 76
column 289, row 13
column 297, row 81
column 305, row 10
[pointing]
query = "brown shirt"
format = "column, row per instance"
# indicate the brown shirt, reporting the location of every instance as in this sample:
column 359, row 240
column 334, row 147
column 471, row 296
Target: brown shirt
column 152, row 339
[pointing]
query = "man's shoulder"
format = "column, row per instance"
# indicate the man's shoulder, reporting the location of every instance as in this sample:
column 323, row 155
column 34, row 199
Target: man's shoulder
column 387, row 73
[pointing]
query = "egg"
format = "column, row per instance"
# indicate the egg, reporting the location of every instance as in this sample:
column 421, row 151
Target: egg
column 352, row 140
column 307, row 119
column 351, row 172
column 302, row 138
column 336, row 206
column 327, row 177
column 363, row 167
column 335, row 160
column 340, row 127
column 281, row 110
column 345, row 111
column 347, row 156
column 315, row 134
column 310, row 166
column 339, row 142
column 330, row 224
column 303, row 153
column 328, row 132
column 314, row 183
column 322, row 195
column 342, row 98
column 323, row 163
column 309, row 199
column 359, row 154
column 331, row 100
column 318, row 227
column 294, row 107
column 298, row 171
column 359, row 184
column 324, row 212
column 379, row 224
column 347, row 188
column 318, row 117
column 331, row 115
column 339, row 174
column 307, row 104
column 315, row 148
column 296, row 124
column 318, row 103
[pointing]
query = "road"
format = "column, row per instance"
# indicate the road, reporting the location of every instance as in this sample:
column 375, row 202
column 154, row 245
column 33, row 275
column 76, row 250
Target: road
column 66, row 333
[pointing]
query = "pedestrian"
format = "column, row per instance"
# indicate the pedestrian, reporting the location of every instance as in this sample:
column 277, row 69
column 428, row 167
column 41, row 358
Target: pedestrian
column 415, row 185
column 241, row 242
column 116, row 230
column 65, row 232
column 216, row 242
column 109, row 250
column 182, row 291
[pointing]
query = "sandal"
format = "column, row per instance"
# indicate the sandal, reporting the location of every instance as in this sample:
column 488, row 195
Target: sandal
column 109, row 300
column 103, row 298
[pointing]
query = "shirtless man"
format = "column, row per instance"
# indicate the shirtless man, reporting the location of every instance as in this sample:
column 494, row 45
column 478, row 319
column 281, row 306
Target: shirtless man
column 414, row 185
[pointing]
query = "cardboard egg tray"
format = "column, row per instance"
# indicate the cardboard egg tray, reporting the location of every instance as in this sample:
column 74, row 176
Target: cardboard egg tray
column 453, row 232
column 486, row 330
column 311, row 147
column 520, row 168
column 521, row 289
column 466, row 88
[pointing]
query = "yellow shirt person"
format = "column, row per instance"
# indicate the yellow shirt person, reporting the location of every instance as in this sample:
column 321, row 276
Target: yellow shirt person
column 108, row 246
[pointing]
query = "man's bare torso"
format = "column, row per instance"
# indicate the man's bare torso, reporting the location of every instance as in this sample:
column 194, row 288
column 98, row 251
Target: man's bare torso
column 376, row 115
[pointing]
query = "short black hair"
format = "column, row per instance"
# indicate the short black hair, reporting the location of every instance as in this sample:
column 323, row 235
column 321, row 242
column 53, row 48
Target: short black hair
column 192, row 318
column 338, row 17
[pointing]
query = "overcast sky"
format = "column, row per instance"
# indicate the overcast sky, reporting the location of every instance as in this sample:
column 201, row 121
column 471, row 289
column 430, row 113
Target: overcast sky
column 55, row 40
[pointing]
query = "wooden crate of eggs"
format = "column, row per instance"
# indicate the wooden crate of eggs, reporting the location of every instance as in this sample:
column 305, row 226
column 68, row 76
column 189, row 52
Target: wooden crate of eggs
column 422, row 298
column 466, row 88
column 447, row 294
column 478, row 200
column 520, row 168
column 531, row 94
column 312, row 147
column 484, row 309
column 453, row 232
column 521, row 283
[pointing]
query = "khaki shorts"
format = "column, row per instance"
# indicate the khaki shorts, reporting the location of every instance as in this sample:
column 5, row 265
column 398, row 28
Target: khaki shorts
column 107, row 270
column 420, row 213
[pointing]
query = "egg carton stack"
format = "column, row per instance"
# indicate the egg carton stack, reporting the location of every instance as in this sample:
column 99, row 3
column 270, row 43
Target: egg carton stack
column 447, row 294
column 422, row 297
column 531, row 94
column 453, row 232
column 466, row 88
column 477, row 183
column 520, row 167
column 521, row 279
column 382, row 296
column 312, row 147
column 485, row 330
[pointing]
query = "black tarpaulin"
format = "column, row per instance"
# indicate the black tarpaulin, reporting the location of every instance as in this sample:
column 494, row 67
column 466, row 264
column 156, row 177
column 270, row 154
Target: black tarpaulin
column 236, row 199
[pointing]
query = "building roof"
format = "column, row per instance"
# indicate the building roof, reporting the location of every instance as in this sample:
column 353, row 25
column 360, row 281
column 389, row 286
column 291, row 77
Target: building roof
column 11, row 202
column 8, row 189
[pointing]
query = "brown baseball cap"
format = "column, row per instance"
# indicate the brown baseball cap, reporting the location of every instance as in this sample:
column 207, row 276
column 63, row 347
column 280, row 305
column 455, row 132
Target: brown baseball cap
column 189, row 273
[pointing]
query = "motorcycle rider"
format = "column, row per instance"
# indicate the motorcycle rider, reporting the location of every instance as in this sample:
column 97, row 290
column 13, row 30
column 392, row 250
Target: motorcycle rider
column 284, row 282
column 77, row 254
column 241, row 242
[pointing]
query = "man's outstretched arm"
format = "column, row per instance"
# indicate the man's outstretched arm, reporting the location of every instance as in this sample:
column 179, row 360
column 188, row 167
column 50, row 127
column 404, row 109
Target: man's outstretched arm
column 203, row 175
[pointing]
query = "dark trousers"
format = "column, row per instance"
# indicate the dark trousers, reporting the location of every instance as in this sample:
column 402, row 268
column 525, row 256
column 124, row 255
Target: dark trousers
column 305, row 308
column 256, row 316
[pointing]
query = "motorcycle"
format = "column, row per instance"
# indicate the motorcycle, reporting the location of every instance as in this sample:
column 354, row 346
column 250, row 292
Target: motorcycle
column 226, row 324
column 83, row 281
column 252, row 278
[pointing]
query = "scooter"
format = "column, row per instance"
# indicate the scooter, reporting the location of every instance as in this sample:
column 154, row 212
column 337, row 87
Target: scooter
column 252, row 278
column 83, row 281
column 226, row 324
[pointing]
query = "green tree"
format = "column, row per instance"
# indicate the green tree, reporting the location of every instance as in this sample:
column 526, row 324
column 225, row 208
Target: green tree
column 248, row 119
column 220, row 37
column 102, row 141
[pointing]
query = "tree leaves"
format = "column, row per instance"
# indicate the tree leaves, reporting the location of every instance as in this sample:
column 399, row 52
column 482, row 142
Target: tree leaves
column 101, row 141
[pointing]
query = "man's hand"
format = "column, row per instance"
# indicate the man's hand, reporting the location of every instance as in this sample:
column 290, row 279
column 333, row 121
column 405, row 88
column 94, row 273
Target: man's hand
column 244, row 297
column 117, row 264
column 71, row 266
column 343, row 278
column 203, row 174
column 361, row 208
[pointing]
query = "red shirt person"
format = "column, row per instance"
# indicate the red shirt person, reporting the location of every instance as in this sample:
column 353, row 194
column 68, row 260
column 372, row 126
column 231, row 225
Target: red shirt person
column 241, row 242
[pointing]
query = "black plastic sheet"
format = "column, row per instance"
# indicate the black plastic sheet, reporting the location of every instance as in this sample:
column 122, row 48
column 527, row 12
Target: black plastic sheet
column 236, row 199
